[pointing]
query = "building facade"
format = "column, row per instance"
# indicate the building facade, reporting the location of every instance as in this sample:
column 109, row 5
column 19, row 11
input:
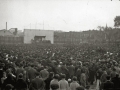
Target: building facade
column 6, row 37
column 38, row 35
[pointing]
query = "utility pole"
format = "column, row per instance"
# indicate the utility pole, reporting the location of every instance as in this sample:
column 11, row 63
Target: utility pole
column 6, row 25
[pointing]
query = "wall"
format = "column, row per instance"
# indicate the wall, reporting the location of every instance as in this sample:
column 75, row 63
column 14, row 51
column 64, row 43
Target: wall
column 5, row 33
column 68, row 37
column 10, row 40
column 30, row 33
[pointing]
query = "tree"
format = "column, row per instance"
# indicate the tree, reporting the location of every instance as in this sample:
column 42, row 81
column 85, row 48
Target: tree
column 117, row 21
column 101, row 28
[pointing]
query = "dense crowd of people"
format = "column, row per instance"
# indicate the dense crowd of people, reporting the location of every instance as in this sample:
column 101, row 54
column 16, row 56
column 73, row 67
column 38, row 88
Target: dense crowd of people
column 59, row 67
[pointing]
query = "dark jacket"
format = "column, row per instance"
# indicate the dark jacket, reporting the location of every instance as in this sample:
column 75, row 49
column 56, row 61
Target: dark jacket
column 9, row 80
column 31, row 73
column 37, row 84
column 108, row 85
column 21, row 84
column 116, row 81
column 47, row 83
column 1, row 75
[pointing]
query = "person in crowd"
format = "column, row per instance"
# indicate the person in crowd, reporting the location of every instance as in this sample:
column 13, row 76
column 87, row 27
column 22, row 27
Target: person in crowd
column 48, row 80
column 116, row 81
column 98, row 75
column 20, row 83
column 92, row 56
column 83, row 78
column 25, row 76
column 69, row 81
column 31, row 73
column 63, row 84
column 59, row 67
column 71, row 70
column 117, row 67
column 103, row 79
column 78, row 73
column 109, row 70
column 108, row 84
column 54, row 87
column 86, row 71
column 3, row 79
column 44, row 73
column 9, row 71
column 9, row 80
column 74, row 84
column 37, row 83
column 63, row 69
column 80, row 88
column 55, row 79
column 20, row 70
column 113, row 73
column 1, row 74
column 8, row 87
column 92, row 74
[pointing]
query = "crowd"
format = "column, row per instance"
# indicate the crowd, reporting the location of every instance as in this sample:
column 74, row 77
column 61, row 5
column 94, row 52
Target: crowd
column 59, row 67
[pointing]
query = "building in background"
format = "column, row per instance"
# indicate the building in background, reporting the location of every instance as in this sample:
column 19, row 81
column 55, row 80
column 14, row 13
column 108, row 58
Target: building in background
column 67, row 37
column 16, row 32
column 38, row 36
column 5, row 32
column 15, row 36
column 7, row 37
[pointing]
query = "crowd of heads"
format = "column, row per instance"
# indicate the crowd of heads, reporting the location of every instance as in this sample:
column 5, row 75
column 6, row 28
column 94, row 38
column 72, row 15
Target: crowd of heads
column 74, row 63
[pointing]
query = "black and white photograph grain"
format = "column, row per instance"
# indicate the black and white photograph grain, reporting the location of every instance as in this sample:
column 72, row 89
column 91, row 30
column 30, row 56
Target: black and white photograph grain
column 59, row 44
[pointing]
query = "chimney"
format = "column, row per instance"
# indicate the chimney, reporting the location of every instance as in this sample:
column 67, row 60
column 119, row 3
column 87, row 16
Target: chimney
column 6, row 25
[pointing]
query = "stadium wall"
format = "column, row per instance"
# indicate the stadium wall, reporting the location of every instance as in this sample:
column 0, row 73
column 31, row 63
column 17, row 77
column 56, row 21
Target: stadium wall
column 29, row 35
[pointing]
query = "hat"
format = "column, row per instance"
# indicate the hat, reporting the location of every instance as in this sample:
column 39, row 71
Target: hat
column 20, row 75
column 56, row 76
column 74, row 78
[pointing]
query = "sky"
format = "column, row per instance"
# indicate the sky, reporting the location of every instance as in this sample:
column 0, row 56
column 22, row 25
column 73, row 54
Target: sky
column 65, row 15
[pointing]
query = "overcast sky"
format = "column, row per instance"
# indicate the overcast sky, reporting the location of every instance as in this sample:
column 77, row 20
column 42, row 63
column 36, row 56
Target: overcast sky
column 67, row 15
